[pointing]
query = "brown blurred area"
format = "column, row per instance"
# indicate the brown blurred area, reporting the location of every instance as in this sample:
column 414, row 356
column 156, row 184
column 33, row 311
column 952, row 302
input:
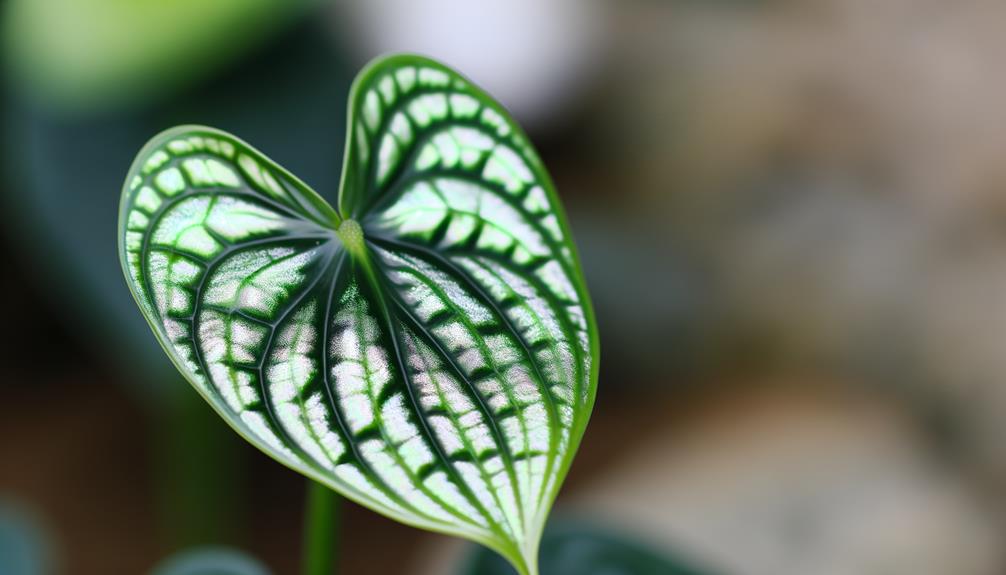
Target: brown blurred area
column 792, row 217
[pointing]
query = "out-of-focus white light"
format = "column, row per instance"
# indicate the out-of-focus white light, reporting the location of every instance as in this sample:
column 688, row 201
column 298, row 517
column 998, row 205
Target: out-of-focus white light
column 535, row 56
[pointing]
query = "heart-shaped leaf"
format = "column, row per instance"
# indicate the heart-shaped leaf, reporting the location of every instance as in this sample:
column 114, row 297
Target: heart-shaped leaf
column 428, row 350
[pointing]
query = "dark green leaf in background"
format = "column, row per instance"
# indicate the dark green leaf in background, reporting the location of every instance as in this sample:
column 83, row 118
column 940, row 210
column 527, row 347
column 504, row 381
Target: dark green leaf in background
column 578, row 548
column 79, row 55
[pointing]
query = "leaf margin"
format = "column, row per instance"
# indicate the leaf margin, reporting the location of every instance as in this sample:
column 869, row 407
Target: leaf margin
column 524, row 559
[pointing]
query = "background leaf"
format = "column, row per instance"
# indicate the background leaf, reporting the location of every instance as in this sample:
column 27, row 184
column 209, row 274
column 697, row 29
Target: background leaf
column 134, row 52
column 211, row 561
column 578, row 548
column 26, row 546
column 429, row 353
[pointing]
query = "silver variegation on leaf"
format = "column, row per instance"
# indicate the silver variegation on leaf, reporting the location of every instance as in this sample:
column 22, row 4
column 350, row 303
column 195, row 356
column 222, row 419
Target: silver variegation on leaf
column 428, row 349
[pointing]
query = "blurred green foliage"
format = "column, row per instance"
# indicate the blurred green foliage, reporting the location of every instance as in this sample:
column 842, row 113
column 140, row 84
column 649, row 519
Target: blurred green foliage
column 107, row 54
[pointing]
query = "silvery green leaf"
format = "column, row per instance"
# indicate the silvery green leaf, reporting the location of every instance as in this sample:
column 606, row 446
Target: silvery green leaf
column 428, row 349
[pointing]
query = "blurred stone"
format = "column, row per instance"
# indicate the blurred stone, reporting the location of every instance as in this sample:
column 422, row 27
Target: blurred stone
column 789, row 482
column 831, row 173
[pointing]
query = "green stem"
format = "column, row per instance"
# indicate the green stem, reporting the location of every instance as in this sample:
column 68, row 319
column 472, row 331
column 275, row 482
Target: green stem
column 321, row 517
column 199, row 464
column 524, row 568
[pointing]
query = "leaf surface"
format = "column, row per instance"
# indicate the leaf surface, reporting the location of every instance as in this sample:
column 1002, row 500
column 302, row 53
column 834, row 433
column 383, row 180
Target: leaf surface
column 428, row 350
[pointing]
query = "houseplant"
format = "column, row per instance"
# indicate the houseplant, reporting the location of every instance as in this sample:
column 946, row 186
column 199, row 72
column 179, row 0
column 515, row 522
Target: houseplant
column 426, row 348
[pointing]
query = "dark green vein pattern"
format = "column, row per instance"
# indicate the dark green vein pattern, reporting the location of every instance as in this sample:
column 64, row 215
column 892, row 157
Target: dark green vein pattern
column 428, row 349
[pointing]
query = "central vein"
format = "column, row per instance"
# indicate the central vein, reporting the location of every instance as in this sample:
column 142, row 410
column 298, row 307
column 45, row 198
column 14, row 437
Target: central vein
column 351, row 235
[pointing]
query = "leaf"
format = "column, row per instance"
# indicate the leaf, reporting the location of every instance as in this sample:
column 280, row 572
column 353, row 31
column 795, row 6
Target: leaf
column 96, row 55
column 428, row 351
column 27, row 546
column 579, row 548
column 210, row 561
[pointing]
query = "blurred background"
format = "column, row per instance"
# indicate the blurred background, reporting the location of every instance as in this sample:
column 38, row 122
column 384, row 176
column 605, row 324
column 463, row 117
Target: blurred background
column 791, row 214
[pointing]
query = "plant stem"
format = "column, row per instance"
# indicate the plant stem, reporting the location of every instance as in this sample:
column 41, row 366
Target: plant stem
column 199, row 460
column 321, row 518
